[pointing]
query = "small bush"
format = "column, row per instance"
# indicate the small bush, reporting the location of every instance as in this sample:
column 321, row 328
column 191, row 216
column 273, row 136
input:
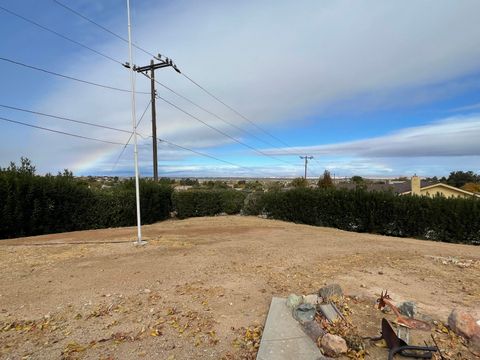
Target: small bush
column 34, row 205
column 199, row 202
column 439, row 218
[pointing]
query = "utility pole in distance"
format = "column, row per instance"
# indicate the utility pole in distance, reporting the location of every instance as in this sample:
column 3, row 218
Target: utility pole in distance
column 306, row 157
column 146, row 69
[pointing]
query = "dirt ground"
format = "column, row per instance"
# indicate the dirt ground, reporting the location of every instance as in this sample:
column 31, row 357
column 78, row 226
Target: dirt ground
column 192, row 292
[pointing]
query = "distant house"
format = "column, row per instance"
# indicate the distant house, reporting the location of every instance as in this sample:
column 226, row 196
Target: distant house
column 415, row 186
column 437, row 189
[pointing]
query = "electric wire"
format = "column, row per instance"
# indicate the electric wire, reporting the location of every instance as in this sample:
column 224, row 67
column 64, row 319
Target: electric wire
column 222, row 132
column 106, row 86
column 212, row 113
column 201, row 153
column 173, row 144
column 64, row 118
column 59, row 34
column 102, row 27
column 68, row 77
column 187, row 77
column 130, row 138
column 235, row 111
column 60, row 132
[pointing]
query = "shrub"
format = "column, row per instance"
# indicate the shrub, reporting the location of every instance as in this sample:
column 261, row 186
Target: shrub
column 34, row 205
column 439, row 218
column 199, row 202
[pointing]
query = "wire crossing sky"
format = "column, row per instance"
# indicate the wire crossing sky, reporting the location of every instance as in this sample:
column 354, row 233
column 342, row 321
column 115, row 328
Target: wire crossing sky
column 374, row 89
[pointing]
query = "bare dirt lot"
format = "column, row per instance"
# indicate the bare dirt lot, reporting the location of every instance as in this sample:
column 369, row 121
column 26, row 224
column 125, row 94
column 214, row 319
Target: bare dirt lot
column 199, row 283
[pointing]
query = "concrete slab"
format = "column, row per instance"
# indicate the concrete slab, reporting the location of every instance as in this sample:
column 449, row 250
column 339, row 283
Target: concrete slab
column 283, row 337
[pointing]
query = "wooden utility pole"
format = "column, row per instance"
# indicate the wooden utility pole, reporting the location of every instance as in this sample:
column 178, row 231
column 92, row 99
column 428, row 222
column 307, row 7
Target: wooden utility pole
column 154, row 121
column 149, row 71
column 306, row 157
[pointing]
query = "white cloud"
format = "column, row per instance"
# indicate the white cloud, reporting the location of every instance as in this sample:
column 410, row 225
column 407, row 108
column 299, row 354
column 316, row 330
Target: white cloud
column 456, row 136
column 275, row 61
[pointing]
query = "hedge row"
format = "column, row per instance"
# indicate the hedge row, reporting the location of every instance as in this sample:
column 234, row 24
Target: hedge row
column 439, row 218
column 207, row 202
column 34, row 205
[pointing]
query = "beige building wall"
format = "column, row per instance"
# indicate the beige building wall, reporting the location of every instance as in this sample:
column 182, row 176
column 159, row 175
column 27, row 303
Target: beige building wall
column 415, row 182
column 440, row 190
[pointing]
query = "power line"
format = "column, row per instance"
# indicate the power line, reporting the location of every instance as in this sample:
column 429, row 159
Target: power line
column 212, row 113
column 131, row 134
column 58, row 34
column 102, row 27
column 235, row 111
column 222, row 132
column 66, row 76
column 187, row 77
column 201, row 153
column 64, row 118
column 60, row 132
column 112, row 59
column 175, row 145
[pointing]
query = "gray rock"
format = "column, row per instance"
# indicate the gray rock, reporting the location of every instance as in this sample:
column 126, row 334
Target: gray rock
column 313, row 299
column 313, row 330
column 355, row 342
column 330, row 292
column 408, row 308
column 464, row 323
column 304, row 313
column 333, row 345
column 294, row 300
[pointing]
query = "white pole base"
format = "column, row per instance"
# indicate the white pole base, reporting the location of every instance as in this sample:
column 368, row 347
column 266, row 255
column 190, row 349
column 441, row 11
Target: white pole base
column 140, row 243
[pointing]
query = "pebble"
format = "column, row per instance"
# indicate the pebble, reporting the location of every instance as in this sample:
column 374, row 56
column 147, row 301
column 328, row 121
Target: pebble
column 463, row 323
column 304, row 313
column 294, row 300
column 330, row 292
column 312, row 299
column 333, row 345
column 408, row 308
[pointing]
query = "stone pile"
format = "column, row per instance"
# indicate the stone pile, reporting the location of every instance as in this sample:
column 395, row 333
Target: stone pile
column 304, row 309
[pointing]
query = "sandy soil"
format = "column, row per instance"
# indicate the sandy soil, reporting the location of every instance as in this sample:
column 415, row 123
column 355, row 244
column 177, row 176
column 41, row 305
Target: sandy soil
column 199, row 283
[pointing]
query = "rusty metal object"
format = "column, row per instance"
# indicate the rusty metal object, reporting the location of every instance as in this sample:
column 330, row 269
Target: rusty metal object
column 398, row 346
column 385, row 300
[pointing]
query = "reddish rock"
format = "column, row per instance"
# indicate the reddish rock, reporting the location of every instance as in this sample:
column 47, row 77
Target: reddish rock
column 333, row 345
column 464, row 324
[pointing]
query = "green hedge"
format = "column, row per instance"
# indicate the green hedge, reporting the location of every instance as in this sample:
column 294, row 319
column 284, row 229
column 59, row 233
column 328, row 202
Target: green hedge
column 439, row 218
column 196, row 202
column 34, row 205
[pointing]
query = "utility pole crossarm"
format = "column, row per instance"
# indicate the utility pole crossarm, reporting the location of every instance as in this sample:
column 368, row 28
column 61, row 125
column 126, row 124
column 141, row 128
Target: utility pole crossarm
column 306, row 157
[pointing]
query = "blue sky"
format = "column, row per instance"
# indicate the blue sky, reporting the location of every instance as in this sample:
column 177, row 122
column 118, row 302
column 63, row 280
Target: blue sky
column 374, row 88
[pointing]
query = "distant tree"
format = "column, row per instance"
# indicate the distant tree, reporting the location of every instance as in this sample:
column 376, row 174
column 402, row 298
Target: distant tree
column 190, row 182
column 472, row 187
column 26, row 167
column 66, row 174
column 433, row 179
column 357, row 179
column 254, row 185
column 299, row 182
column 217, row 184
column 460, row 178
column 166, row 181
column 325, row 182
column 274, row 186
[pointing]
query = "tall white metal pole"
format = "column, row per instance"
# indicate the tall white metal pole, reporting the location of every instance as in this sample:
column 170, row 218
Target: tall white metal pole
column 134, row 124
